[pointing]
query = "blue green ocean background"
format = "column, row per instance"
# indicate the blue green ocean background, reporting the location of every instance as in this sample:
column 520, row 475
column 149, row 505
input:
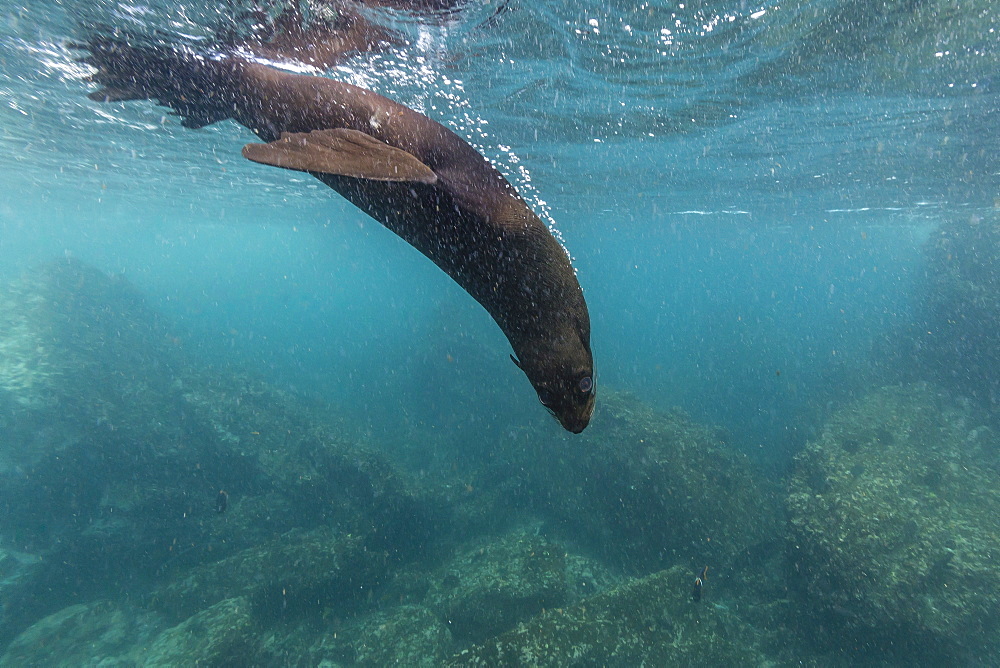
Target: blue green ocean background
column 784, row 217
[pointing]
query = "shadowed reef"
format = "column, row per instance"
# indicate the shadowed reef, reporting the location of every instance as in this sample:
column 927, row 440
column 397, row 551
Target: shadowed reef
column 329, row 550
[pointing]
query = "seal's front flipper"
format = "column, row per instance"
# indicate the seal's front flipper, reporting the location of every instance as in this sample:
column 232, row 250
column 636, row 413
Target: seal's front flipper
column 342, row 152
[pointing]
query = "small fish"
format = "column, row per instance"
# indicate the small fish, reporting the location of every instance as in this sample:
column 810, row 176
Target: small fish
column 699, row 582
column 222, row 501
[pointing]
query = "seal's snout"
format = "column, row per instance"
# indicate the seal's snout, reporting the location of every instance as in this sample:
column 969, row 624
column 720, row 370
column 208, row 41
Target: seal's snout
column 577, row 423
column 569, row 396
column 576, row 418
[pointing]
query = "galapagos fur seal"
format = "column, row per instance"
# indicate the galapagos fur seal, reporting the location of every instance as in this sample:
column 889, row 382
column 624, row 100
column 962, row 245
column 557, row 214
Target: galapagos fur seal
column 410, row 173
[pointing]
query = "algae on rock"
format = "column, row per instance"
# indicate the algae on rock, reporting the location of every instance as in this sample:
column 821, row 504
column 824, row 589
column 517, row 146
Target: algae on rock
column 956, row 341
column 219, row 636
column 487, row 588
column 298, row 570
column 895, row 513
column 97, row 633
column 73, row 338
column 649, row 490
column 408, row 635
column 648, row 621
column 111, row 470
column 327, row 552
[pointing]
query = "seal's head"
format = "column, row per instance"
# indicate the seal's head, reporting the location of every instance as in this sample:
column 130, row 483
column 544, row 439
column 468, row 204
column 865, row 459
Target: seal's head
column 564, row 382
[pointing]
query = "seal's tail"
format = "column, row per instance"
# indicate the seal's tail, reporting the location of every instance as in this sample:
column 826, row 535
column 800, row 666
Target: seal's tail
column 197, row 86
column 198, row 80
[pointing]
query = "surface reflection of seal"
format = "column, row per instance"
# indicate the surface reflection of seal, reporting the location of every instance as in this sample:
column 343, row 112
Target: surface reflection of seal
column 410, row 173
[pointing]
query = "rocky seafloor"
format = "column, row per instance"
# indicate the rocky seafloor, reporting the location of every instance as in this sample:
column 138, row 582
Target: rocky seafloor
column 160, row 510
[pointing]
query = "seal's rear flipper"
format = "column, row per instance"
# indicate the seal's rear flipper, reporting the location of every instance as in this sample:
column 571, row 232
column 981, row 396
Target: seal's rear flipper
column 197, row 86
column 342, row 152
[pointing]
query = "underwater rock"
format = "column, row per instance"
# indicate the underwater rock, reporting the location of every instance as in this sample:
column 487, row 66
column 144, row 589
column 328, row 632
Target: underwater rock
column 321, row 475
column 489, row 587
column 115, row 445
column 586, row 576
column 300, row 570
column 401, row 635
column 99, row 633
column 895, row 518
column 409, row 635
column 14, row 566
column 407, row 623
column 649, row 489
column 649, row 621
column 71, row 336
column 957, row 341
column 222, row 635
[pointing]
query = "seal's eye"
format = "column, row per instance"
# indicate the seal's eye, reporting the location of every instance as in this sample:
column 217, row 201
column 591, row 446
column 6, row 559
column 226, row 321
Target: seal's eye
column 586, row 384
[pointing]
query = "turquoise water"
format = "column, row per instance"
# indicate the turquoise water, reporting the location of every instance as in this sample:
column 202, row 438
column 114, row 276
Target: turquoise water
column 746, row 190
